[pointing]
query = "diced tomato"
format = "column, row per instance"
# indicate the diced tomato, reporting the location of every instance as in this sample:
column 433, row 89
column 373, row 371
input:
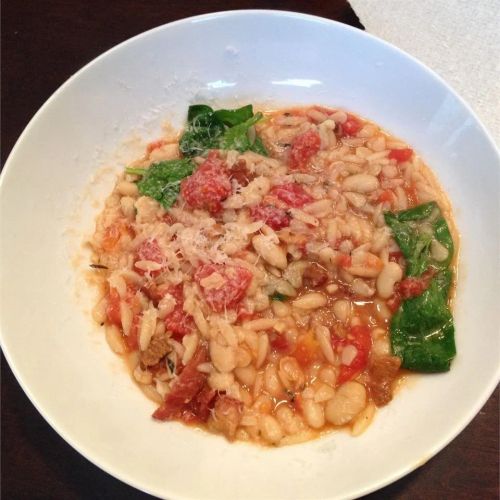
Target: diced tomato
column 293, row 195
column 208, row 186
column 114, row 316
column 241, row 174
column 155, row 145
column 149, row 250
column 198, row 410
column 181, row 402
column 168, row 219
column 244, row 315
column 395, row 256
column 400, row 155
column 307, row 350
column 315, row 275
column 344, row 260
column 304, row 147
column 393, row 302
column 113, row 307
column 274, row 217
column 113, row 233
column 411, row 194
column 155, row 292
column 350, row 127
column 280, row 343
column 232, row 288
column 132, row 339
column 359, row 337
column 297, row 402
column 178, row 322
column 386, row 196
column 412, row 287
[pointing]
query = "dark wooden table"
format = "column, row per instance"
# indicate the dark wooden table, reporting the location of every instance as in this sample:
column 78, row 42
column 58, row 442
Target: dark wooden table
column 43, row 43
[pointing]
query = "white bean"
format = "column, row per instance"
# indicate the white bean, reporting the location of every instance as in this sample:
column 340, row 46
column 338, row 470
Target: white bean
column 342, row 310
column 220, row 381
column 361, row 287
column 388, row 277
column 270, row 429
column 328, row 375
column 291, row 374
column 355, row 199
column 311, row 300
column 347, row 402
column 270, row 251
column 313, row 413
column 126, row 188
column 223, row 357
column 114, row 339
column 272, row 382
column 360, row 183
column 246, row 375
column 260, row 324
column 280, row 309
column 289, row 421
column 323, row 337
column 147, row 328
column 323, row 393
column 263, row 349
column 438, row 251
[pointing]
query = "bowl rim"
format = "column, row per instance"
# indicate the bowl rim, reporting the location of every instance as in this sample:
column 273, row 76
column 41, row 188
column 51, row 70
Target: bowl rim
column 214, row 16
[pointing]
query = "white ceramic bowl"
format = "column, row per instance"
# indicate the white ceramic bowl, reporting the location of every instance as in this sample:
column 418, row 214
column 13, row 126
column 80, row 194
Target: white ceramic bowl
column 48, row 205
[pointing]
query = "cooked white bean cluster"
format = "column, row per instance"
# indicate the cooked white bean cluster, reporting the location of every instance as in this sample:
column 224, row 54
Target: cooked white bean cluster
column 266, row 320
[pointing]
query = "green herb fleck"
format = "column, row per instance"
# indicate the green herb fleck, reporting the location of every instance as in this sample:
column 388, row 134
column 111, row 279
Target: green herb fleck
column 279, row 296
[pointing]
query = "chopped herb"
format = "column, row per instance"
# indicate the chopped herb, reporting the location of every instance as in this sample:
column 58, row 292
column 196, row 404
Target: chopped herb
column 171, row 365
column 162, row 180
column 98, row 266
column 290, row 394
column 278, row 296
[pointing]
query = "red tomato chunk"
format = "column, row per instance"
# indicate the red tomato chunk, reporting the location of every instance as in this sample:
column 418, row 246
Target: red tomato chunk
column 304, row 147
column 413, row 287
column 359, row 337
column 178, row 322
column 231, row 288
column 209, row 186
column 190, row 398
column 274, row 217
column 293, row 195
column 351, row 126
column 400, row 155
column 149, row 250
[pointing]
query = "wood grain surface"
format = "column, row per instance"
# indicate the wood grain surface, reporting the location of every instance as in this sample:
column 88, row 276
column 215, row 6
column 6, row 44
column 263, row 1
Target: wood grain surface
column 43, row 43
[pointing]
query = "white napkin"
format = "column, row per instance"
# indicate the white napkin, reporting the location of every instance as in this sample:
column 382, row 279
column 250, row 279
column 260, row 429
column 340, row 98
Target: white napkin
column 458, row 39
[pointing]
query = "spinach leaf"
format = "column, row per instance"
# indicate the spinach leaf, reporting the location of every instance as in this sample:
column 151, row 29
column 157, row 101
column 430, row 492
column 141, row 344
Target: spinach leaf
column 422, row 331
column 221, row 129
column 278, row 296
column 237, row 137
column 198, row 110
column 203, row 132
column 414, row 230
column 258, row 147
column 162, row 180
column 232, row 117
